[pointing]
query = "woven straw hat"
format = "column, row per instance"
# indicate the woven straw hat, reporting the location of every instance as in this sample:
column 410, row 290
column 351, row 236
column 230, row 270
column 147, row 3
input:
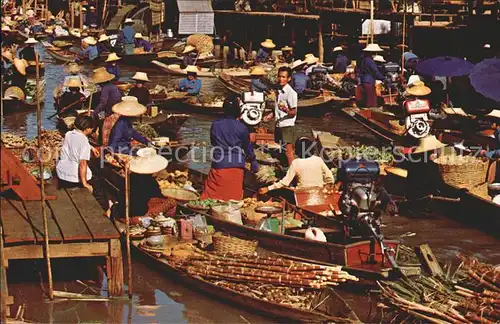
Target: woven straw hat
column 84, row 9
column 90, row 40
column 101, row 75
column 188, row 49
column 268, row 43
column 428, row 143
column 31, row 40
column 286, row 48
column 191, row 69
column 6, row 28
column 112, row 57
column 379, row 58
column 20, row 65
column 73, row 68
column 73, row 83
column 103, row 38
column 372, row 48
column 92, row 8
column 258, row 70
column 14, row 93
column 412, row 79
column 138, row 35
column 487, row 46
column 311, row 59
column 418, row 88
column 298, row 63
column 141, row 76
column 338, row 49
column 148, row 162
column 129, row 107
column 8, row 55
column 129, row 21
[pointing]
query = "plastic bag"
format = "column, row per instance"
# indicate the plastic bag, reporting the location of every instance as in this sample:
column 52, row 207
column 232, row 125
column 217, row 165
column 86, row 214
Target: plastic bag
column 229, row 212
column 315, row 234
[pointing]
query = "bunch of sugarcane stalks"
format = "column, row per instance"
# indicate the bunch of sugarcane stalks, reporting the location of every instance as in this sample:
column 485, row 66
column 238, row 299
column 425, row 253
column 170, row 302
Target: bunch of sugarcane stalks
column 271, row 270
column 472, row 294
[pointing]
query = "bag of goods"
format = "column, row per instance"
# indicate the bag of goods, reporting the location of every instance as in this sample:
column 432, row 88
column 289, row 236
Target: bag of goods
column 229, row 212
column 315, row 234
column 203, row 43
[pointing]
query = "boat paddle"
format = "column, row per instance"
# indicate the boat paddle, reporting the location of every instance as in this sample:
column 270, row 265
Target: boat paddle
column 66, row 108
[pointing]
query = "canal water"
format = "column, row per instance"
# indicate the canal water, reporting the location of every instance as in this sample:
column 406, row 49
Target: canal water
column 159, row 299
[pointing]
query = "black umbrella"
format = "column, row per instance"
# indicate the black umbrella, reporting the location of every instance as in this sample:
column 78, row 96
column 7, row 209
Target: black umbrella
column 445, row 66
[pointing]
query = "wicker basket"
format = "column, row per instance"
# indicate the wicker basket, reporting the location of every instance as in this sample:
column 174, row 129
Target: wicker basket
column 462, row 171
column 481, row 191
column 227, row 244
column 396, row 126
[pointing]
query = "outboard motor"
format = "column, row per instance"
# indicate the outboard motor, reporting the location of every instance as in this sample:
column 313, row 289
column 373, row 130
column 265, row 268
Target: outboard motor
column 252, row 107
column 359, row 201
column 417, row 117
column 318, row 77
column 393, row 77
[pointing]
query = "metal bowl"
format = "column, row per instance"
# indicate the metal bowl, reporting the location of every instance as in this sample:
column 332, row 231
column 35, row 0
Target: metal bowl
column 494, row 187
column 268, row 210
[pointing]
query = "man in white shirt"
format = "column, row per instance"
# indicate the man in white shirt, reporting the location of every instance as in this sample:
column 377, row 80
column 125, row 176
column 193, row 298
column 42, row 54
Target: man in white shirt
column 285, row 113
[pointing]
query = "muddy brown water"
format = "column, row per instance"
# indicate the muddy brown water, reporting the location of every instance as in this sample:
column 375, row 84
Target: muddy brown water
column 160, row 299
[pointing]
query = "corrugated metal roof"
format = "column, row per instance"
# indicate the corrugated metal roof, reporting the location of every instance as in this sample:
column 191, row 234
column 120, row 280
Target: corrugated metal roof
column 196, row 23
column 195, row 6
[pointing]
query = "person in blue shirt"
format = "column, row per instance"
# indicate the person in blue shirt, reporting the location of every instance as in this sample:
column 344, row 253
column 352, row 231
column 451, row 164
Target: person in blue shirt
column 141, row 42
column 300, row 81
column 127, row 37
column 264, row 53
column 103, row 44
column 257, row 74
column 90, row 49
column 110, row 94
column 340, row 61
column 494, row 154
column 369, row 73
column 191, row 85
column 231, row 144
column 112, row 66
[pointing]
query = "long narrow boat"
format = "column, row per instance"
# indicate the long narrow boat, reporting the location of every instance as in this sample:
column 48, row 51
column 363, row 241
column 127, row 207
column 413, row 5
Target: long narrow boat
column 327, row 306
column 139, row 59
column 170, row 57
column 165, row 124
column 175, row 69
column 203, row 108
column 60, row 55
column 11, row 105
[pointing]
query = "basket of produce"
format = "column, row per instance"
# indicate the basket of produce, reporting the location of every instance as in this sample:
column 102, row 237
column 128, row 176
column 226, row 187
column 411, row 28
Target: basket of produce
column 202, row 205
column 179, row 194
column 395, row 125
column 203, row 43
column 228, row 244
column 462, row 171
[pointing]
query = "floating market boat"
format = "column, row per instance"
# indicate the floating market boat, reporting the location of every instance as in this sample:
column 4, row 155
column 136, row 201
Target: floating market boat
column 195, row 105
column 175, row 69
column 139, row 59
column 170, row 57
column 60, row 55
column 27, row 100
column 326, row 306
column 165, row 124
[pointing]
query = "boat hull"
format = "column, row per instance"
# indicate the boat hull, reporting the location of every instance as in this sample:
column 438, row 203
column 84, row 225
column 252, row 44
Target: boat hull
column 166, row 124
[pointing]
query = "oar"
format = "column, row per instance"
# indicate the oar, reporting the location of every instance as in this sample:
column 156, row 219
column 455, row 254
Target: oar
column 66, row 108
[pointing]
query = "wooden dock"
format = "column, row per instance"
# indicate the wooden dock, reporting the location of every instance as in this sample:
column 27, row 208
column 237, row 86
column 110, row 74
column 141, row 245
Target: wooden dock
column 77, row 227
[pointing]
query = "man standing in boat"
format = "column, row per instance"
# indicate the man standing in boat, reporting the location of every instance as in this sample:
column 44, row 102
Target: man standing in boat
column 341, row 61
column 285, row 113
column 127, row 37
column 369, row 73
column 191, row 85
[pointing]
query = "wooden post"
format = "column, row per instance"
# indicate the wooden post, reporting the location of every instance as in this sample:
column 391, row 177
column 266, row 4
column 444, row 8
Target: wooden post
column 321, row 50
column 103, row 12
column 42, row 181
column 127, row 232
column 72, row 14
column 225, row 51
column 81, row 17
column 372, row 27
column 114, row 265
column 404, row 41
column 36, row 7
column 3, row 283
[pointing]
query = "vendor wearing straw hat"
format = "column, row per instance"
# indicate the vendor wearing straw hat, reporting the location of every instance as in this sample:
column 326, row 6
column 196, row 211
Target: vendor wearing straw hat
column 127, row 37
column 300, row 81
column 89, row 48
column 92, row 18
column 191, row 85
column 18, row 77
column 72, row 99
column 257, row 74
column 190, row 55
column 112, row 65
column 287, row 54
column 72, row 167
column 139, row 89
column 110, row 94
column 103, row 44
column 369, row 73
column 340, row 61
column 28, row 52
column 139, row 42
column 74, row 71
column 264, row 53
column 118, row 131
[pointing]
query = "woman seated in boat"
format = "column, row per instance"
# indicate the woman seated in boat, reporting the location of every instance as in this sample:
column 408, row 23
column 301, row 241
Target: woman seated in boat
column 230, row 140
column 300, row 81
column 103, row 44
column 139, row 89
column 287, row 55
column 28, row 52
column 257, row 83
column 18, row 77
column 74, row 71
column 72, row 167
column 264, row 53
column 190, row 55
column 112, row 66
column 191, row 85
column 309, row 169
column 72, row 99
column 139, row 42
column 118, row 131
column 90, row 52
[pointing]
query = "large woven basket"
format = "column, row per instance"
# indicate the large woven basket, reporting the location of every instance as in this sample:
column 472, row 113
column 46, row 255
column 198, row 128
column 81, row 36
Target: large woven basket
column 228, row 244
column 481, row 191
column 462, row 171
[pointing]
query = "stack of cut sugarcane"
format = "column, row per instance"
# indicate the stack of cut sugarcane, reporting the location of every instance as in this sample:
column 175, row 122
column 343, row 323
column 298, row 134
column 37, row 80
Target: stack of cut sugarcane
column 472, row 294
column 270, row 270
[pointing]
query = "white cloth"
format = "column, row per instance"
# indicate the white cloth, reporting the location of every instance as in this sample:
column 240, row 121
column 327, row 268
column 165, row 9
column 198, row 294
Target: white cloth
column 75, row 148
column 289, row 98
column 310, row 172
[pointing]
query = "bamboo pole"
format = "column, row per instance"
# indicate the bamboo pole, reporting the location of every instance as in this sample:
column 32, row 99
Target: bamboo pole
column 42, row 180
column 81, row 17
column 404, row 40
column 321, row 50
column 72, row 14
column 3, row 283
column 372, row 27
column 127, row 222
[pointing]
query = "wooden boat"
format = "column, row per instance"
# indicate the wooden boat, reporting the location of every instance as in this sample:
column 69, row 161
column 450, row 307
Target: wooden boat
column 60, row 55
column 327, row 306
column 204, row 72
column 170, row 57
column 14, row 105
column 192, row 104
column 165, row 124
column 140, row 59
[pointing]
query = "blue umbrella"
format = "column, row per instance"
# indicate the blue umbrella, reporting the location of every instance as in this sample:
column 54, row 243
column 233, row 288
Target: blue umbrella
column 445, row 66
column 485, row 78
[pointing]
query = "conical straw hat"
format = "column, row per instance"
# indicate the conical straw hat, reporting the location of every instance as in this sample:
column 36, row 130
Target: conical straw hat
column 373, row 48
column 258, row 70
column 338, row 49
column 138, row 35
column 31, row 40
column 103, row 38
column 74, row 83
column 73, row 68
column 286, row 48
column 113, row 57
column 129, row 107
column 129, row 21
column 428, row 143
column 20, row 66
column 90, row 40
column 188, row 49
column 8, row 55
column 6, row 28
column 148, row 162
column 101, row 75
column 191, row 69
column 418, row 88
column 311, row 59
column 141, row 76
column 298, row 63
column 379, row 58
column 268, row 43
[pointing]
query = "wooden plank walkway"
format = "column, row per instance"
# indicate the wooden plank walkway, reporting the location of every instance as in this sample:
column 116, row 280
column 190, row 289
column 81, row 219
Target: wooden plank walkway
column 16, row 223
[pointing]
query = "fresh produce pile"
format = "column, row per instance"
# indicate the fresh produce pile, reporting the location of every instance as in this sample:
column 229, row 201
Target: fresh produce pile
column 265, row 175
column 207, row 99
column 146, row 130
column 203, row 204
column 370, row 153
column 254, row 203
column 14, row 141
column 471, row 294
column 176, row 179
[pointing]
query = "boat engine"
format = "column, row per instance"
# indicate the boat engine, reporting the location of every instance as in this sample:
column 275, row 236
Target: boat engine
column 359, row 201
column 252, row 107
column 417, row 117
